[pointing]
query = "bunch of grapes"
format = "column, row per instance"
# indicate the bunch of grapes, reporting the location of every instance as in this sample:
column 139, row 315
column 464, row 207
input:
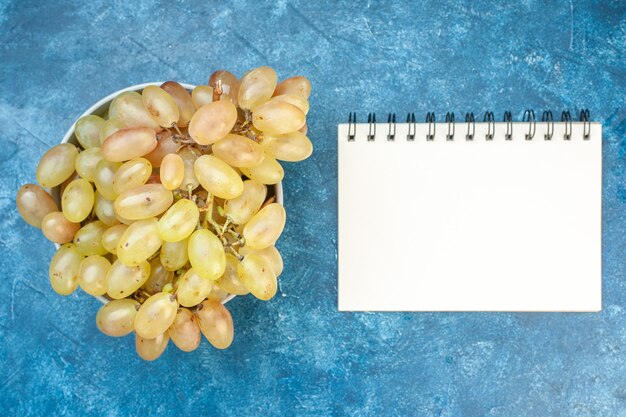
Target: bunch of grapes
column 165, row 207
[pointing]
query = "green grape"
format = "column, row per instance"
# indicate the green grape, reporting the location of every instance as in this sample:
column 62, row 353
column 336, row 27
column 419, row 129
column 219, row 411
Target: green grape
column 88, row 239
column 300, row 86
column 278, row 117
column 104, row 210
column 131, row 174
column 129, row 108
column 294, row 99
column 64, row 268
column 111, row 237
column 238, row 151
column 159, row 277
column 143, row 202
column 271, row 255
column 184, row 331
column 57, row 165
column 151, row 349
column 129, row 143
column 268, row 172
column 256, row 87
column 206, row 254
column 34, row 203
column 291, row 147
column 242, row 208
column 174, row 255
column 217, row 177
column 105, row 172
column 229, row 83
column 191, row 288
column 139, row 242
column 179, row 221
column 215, row 323
column 56, row 228
column 86, row 163
column 201, row 95
column 229, row 281
column 109, row 127
column 265, row 227
column 257, row 276
column 161, row 105
column 172, row 171
column 116, row 318
column 124, row 280
column 212, row 122
column 155, row 315
column 92, row 275
column 77, row 200
column 183, row 101
column 189, row 178
column 165, row 146
column 87, row 131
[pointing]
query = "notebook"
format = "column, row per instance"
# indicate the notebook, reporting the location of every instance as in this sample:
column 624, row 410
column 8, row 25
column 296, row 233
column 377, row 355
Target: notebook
column 470, row 215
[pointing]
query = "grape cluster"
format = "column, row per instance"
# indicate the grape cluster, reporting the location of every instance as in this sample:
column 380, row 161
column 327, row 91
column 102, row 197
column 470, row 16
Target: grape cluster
column 165, row 207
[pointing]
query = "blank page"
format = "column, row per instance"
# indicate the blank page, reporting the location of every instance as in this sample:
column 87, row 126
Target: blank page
column 460, row 225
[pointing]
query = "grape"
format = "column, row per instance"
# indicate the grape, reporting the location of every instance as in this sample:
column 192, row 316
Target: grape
column 88, row 239
column 151, row 349
column 172, row 171
column 295, row 85
column 129, row 108
column 159, row 277
column 191, row 289
column 124, row 280
column 217, row 177
column 143, row 202
column 294, row 99
column 268, row 172
column 278, row 117
column 57, row 165
column 230, row 85
column 212, row 122
column 265, row 227
column 129, row 143
column 77, row 200
column 206, row 254
column 304, row 129
column 86, row 163
column 112, row 236
column 139, row 242
column 271, row 255
column 109, row 127
column 161, row 105
column 34, row 203
column 217, row 294
column 242, row 208
column 116, row 318
column 174, row 255
column 131, row 174
column 87, row 131
column 184, row 331
column 57, row 228
column 215, row 323
column 257, row 276
column 104, row 210
column 291, row 147
column 105, row 172
column 201, row 95
column 155, row 315
column 92, row 275
column 165, row 145
column 256, row 87
column 179, row 221
column 64, row 268
column 229, row 281
column 238, row 151
column 183, row 101
column 189, row 159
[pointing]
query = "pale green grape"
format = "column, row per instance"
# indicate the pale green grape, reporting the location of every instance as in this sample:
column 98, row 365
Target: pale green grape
column 217, row 177
column 104, row 174
column 111, row 237
column 216, row 323
column 271, row 255
column 256, row 87
column 183, row 101
column 109, row 127
column 139, row 242
column 64, row 268
column 242, row 208
column 291, row 147
column 174, row 255
column 151, row 349
column 86, row 163
column 206, row 254
column 57, row 165
column 229, row 281
column 257, row 276
column 57, row 228
column 159, row 277
column 124, row 280
column 93, row 273
column 77, row 200
column 179, row 221
column 294, row 99
column 172, row 171
column 229, row 83
column 87, row 131
column 129, row 143
column 88, row 239
column 129, row 108
column 165, row 146
column 212, row 122
column 268, row 172
column 185, row 331
column 189, row 178
column 116, row 318
column 191, row 288
column 143, row 202
column 299, row 85
column 131, row 174
column 34, row 203
column 265, row 227
column 104, row 210
column 155, row 315
column 201, row 95
column 278, row 117
column 238, row 151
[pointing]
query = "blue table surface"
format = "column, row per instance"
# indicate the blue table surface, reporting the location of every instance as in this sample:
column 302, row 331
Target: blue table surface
column 296, row 355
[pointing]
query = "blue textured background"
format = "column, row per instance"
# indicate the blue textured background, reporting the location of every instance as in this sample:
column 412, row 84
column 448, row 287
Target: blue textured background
column 296, row 355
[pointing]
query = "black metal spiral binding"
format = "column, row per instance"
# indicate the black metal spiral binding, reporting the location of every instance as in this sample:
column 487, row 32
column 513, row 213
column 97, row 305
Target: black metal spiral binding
column 410, row 119
column 567, row 118
column 529, row 116
column 432, row 128
column 469, row 119
column 451, row 126
column 351, row 127
column 371, row 120
column 391, row 121
column 508, row 119
column 547, row 117
column 491, row 125
column 584, row 117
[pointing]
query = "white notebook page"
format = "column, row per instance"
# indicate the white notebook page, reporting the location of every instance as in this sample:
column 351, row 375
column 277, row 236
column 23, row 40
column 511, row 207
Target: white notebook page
column 470, row 225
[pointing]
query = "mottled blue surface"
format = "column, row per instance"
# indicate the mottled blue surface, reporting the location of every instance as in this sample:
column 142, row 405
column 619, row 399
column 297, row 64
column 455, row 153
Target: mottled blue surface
column 296, row 355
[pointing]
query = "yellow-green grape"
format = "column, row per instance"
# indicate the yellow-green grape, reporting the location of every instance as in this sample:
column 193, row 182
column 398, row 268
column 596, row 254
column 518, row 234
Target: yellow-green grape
column 86, row 163
column 151, row 349
column 109, row 127
column 189, row 178
column 229, row 83
column 265, row 227
column 104, row 210
column 256, row 87
column 112, row 236
column 294, row 99
column 57, row 228
column 117, row 317
column 216, row 323
column 129, row 143
column 174, row 255
column 34, row 203
column 206, row 254
column 257, row 276
column 299, row 85
column 143, row 202
column 124, row 280
column 123, row 219
column 201, row 95
column 212, row 122
column 271, row 255
column 278, row 117
column 183, row 101
column 291, row 147
column 179, row 221
column 93, row 273
column 184, row 331
column 57, row 165
column 77, row 201
column 268, row 172
column 88, row 239
column 238, row 151
column 165, row 145
column 161, row 105
column 105, row 172
column 87, row 131
column 159, row 277
column 192, row 288
column 242, row 208
column 172, row 171
column 155, row 315
column 217, row 177
column 64, row 268
column 139, row 242
column 131, row 174
column 129, row 108
column 217, row 294
column 229, row 281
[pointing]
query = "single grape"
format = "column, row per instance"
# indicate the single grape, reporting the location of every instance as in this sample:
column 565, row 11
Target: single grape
column 129, row 143
column 161, row 105
column 143, row 202
column 174, row 255
column 165, row 145
column 268, row 172
column 104, row 210
column 185, row 331
column 229, row 83
column 92, row 275
column 57, row 228
column 242, row 208
column 304, row 129
column 291, row 147
column 155, row 315
column 86, row 163
column 116, row 318
column 109, row 127
column 151, row 349
column 179, row 221
column 77, row 200
column 217, row 177
column 278, row 117
column 64, row 268
column 87, row 131
column 256, row 87
column 238, row 151
column 129, row 108
column 189, row 159
column 57, row 165
column 265, row 227
column 105, row 172
column 212, row 122
column 229, row 281
column 34, row 203
column 111, row 237
column 131, row 174
column 124, row 280
column 215, row 323
column 294, row 99
column 300, row 86
column 206, row 254
column 139, row 242
column 257, row 276
column 183, row 101
column 172, row 171
column 88, row 239
column 201, row 95
column 159, row 277
column 271, row 255
column 217, row 294
column 192, row 288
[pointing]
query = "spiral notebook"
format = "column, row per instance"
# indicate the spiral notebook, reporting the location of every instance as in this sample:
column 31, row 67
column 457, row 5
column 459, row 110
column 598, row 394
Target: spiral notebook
column 470, row 216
